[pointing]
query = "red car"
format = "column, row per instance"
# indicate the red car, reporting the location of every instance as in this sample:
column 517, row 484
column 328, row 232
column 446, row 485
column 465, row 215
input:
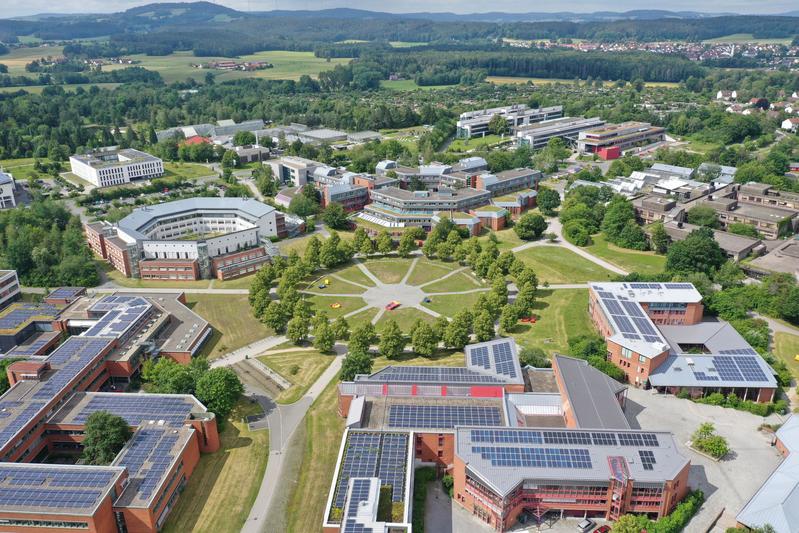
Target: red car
column 392, row 305
column 602, row 529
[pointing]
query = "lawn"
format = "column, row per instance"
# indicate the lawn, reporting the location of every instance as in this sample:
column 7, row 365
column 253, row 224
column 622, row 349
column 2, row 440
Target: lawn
column 406, row 44
column 287, row 65
column 562, row 313
column 388, row 270
column 426, row 271
column 404, row 317
column 301, row 367
column 362, row 317
column 233, row 323
column 243, row 282
column 348, row 304
column 786, row 347
column 464, row 145
column 629, row 260
column 458, row 282
column 190, row 171
column 450, row 304
column 223, row 487
column 354, row 273
column 334, row 285
column 507, row 239
column 554, row 264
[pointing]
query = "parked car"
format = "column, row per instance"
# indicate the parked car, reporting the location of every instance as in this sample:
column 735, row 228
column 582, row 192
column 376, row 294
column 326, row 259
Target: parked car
column 586, row 525
column 602, row 529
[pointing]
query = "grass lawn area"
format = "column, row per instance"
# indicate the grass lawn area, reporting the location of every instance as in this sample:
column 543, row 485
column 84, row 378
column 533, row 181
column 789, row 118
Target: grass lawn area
column 700, row 146
column 630, row 260
column 302, row 368
column 406, row 44
column 563, row 313
column 554, row 264
column 287, row 65
column 324, row 428
column 136, row 283
column 224, row 485
column 243, row 282
column 362, row 317
column 334, row 285
column 323, row 303
column 786, row 347
column 409, row 85
column 300, row 243
column 426, row 271
column 507, row 239
column 353, row 273
column 233, row 323
column 464, row 145
column 450, row 304
column 460, row 281
column 405, row 317
column 189, row 171
column 388, row 270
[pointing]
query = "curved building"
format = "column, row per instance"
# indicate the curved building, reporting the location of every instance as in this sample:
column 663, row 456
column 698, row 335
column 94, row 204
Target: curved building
column 190, row 239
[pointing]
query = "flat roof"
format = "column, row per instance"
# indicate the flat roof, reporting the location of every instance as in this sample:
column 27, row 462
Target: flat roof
column 504, row 458
column 66, row 293
column 136, row 409
column 497, row 357
column 716, row 335
column 431, row 414
column 430, row 196
column 743, row 370
column 18, row 315
column 185, row 327
column 55, row 489
column 591, row 394
column 765, row 213
column 105, row 158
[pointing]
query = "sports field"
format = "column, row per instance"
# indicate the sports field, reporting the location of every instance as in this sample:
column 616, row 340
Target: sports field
column 287, row 66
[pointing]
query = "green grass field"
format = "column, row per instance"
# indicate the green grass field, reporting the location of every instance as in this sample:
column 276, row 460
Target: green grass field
column 786, row 347
column 507, row 239
column 464, row 145
column 233, row 323
column 406, row 44
column 348, row 304
column 388, row 270
column 287, row 66
column 450, row 304
column 629, row 260
column 554, row 264
column 301, row 367
column 190, row 171
column 223, row 487
column 736, row 38
column 427, row 271
column 37, row 89
column 502, row 80
column 409, row 85
column 404, row 317
column 454, row 283
column 562, row 313
column 17, row 58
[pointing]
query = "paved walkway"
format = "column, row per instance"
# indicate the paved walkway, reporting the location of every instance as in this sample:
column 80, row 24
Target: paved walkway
column 251, row 350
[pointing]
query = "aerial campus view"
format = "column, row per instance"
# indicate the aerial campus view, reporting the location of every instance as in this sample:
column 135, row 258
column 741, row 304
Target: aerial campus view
column 349, row 267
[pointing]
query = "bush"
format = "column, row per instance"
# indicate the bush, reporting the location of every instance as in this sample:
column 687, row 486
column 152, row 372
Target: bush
column 705, row 440
column 449, row 484
column 422, row 477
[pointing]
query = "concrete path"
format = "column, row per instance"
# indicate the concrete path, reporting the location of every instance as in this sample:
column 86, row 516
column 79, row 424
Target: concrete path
column 251, row 350
column 445, row 276
column 776, row 326
column 283, row 420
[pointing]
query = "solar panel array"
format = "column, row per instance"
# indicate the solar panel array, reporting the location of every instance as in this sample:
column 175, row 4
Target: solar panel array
column 647, row 459
column 734, row 368
column 678, row 285
column 63, row 293
column 581, row 438
column 138, row 408
column 21, row 313
column 16, row 419
column 368, row 454
column 442, row 416
column 70, row 359
column 480, row 357
column 53, row 488
column 153, row 446
column 431, row 374
column 629, row 318
column 504, row 362
column 31, row 348
column 519, row 457
column 121, row 313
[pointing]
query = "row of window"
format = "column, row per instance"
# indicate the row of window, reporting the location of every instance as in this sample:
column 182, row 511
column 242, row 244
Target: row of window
column 627, row 354
column 29, row 522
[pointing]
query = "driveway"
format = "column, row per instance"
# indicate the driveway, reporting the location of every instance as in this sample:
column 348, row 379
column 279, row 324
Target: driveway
column 727, row 484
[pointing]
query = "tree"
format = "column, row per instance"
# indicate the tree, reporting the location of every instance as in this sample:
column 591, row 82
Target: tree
column 243, row 138
column 367, row 247
column 498, row 125
column 660, row 239
column 311, row 256
column 458, row 331
column 392, row 341
column 219, row 389
column 630, row 523
column 740, row 228
column 341, row 329
column 424, row 340
column 535, row 357
column 530, row 226
column 407, row 244
column 702, row 215
column 484, row 327
column 303, row 206
column 297, row 329
column 508, row 318
column 384, row 242
column 355, row 363
column 323, row 336
column 362, row 338
column 698, row 252
column 230, row 159
column 105, row 436
column 335, row 216
column 548, row 200
column 358, row 237
column 706, row 440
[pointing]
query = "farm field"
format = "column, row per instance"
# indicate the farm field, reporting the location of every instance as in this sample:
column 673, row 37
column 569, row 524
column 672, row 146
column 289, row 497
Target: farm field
column 553, row 264
column 562, row 313
column 629, row 260
column 409, row 85
column 287, row 65
column 17, row 58
column 500, row 80
column 746, row 38
column 37, row 89
column 223, row 487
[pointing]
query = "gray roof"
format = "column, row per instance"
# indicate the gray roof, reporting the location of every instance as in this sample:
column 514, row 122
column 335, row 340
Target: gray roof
column 716, row 335
column 142, row 216
column 591, row 394
column 777, row 501
column 701, row 370
column 473, row 444
column 5, row 178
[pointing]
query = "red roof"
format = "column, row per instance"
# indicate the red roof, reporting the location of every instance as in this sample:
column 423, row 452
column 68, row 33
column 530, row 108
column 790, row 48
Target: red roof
column 196, row 139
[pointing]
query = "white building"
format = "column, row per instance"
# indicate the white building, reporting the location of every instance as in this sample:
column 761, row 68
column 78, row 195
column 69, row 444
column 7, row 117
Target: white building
column 7, row 189
column 115, row 166
column 9, row 287
column 475, row 123
column 790, row 124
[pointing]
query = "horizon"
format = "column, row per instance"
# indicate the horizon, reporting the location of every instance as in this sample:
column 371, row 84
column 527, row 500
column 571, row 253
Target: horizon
column 28, row 8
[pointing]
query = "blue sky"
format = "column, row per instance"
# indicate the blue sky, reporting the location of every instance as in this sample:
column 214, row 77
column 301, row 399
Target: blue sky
column 10, row 8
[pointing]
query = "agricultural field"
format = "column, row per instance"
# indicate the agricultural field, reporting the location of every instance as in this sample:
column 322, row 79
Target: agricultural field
column 502, row 80
column 223, row 487
column 737, row 38
column 37, row 89
column 17, row 58
column 287, row 66
column 409, row 85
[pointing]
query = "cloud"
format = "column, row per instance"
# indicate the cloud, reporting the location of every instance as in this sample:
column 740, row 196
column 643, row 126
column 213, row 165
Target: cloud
column 13, row 8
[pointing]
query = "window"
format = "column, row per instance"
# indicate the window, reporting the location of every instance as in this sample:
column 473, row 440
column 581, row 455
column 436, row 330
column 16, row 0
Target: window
column 626, row 352
column 641, row 359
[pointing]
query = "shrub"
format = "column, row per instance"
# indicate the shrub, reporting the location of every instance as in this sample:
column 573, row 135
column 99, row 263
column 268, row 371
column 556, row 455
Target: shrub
column 422, row 477
column 448, row 484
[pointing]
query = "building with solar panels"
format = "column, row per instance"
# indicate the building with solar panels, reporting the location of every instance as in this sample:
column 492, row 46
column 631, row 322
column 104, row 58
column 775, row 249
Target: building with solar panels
column 189, row 239
column 9, row 287
column 656, row 334
column 53, row 393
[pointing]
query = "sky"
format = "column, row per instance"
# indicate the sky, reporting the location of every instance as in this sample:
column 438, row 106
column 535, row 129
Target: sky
column 11, row 8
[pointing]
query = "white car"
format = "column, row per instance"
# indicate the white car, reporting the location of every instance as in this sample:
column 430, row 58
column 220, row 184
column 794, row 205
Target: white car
column 585, row 525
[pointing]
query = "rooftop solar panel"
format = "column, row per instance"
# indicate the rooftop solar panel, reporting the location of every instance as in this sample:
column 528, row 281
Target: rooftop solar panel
column 520, row 457
column 438, row 375
column 442, row 416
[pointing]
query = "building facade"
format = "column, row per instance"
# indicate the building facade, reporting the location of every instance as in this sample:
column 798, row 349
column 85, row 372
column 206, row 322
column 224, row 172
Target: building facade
column 536, row 136
column 475, row 123
column 114, row 166
column 619, row 137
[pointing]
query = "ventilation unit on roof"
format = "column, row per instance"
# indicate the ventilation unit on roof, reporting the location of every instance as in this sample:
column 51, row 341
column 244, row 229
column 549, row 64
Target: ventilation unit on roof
column 689, row 361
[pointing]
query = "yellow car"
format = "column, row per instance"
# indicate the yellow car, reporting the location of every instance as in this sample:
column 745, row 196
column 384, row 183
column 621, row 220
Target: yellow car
column 335, row 306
